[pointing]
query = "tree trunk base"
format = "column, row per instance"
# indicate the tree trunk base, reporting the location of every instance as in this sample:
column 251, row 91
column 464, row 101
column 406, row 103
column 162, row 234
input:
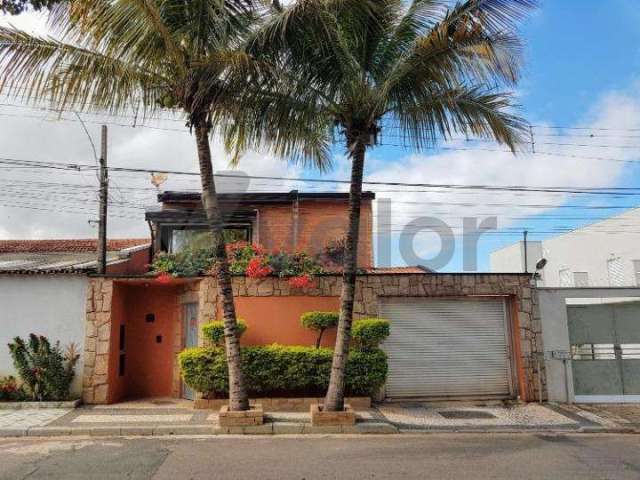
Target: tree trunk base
column 321, row 418
column 229, row 418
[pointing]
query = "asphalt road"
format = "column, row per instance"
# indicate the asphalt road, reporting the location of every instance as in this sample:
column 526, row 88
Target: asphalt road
column 438, row 456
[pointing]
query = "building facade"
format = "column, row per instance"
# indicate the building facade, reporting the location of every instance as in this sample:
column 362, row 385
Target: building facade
column 603, row 254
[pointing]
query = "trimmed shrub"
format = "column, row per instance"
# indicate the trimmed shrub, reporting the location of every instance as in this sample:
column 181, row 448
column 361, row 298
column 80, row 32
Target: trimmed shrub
column 319, row 321
column 45, row 369
column 369, row 333
column 278, row 370
column 214, row 331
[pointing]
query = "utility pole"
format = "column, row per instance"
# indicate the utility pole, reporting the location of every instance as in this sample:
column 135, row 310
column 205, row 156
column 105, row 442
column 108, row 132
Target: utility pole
column 104, row 193
column 526, row 253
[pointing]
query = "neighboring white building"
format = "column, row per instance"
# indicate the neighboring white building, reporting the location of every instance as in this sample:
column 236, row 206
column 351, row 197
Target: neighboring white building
column 603, row 254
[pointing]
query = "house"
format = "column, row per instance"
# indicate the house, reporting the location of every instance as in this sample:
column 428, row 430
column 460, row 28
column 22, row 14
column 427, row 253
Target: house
column 603, row 254
column 452, row 335
column 290, row 222
column 43, row 290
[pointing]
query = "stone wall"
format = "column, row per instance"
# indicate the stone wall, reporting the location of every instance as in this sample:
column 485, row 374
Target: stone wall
column 97, row 341
column 369, row 288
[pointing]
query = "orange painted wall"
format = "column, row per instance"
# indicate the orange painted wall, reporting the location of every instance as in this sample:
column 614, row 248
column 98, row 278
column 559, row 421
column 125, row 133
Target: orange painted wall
column 149, row 364
column 277, row 319
column 137, row 263
column 117, row 384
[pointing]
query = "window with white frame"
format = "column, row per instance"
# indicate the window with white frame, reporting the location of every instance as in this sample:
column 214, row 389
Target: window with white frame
column 615, row 272
column 580, row 279
column 565, row 278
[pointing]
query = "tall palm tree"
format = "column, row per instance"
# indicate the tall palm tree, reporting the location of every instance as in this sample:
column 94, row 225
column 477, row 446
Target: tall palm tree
column 350, row 68
column 112, row 55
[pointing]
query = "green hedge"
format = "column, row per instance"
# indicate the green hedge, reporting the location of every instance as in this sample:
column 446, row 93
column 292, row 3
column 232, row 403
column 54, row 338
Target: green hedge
column 214, row 331
column 277, row 370
column 369, row 333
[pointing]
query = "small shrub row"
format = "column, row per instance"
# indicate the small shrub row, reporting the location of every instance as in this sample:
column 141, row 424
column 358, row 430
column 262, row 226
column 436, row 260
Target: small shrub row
column 277, row 370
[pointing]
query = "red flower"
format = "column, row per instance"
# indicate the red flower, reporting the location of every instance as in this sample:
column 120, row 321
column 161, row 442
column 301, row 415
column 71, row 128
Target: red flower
column 163, row 278
column 257, row 268
column 301, row 281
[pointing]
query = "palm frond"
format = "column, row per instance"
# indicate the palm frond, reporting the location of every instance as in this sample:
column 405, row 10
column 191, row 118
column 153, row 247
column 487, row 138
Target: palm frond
column 469, row 111
column 37, row 68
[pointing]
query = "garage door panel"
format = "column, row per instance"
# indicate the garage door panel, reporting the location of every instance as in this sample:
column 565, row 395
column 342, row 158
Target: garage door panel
column 446, row 347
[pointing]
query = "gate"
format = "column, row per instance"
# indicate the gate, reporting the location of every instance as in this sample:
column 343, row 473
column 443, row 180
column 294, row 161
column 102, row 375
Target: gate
column 605, row 351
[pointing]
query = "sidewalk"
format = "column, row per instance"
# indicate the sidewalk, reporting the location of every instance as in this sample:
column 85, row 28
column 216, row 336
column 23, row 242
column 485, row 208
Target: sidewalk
column 178, row 418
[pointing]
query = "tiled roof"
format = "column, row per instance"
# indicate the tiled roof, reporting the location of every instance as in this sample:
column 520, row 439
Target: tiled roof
column 397, row 270
column 61, row 256
column 69, row 245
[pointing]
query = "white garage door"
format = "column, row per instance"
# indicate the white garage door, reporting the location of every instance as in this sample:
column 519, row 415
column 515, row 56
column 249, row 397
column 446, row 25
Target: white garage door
column 447, row 347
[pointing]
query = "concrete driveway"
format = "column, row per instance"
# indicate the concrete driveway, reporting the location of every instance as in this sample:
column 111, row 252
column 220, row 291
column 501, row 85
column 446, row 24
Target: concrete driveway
column 437, row 456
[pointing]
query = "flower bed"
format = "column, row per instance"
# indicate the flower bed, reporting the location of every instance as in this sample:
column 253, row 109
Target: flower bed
column 244, row 259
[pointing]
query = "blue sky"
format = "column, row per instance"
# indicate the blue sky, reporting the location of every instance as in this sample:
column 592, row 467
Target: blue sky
column 582, row 65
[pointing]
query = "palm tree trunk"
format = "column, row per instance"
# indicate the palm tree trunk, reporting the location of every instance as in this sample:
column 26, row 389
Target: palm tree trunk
column 238, row 399
column 334, row 401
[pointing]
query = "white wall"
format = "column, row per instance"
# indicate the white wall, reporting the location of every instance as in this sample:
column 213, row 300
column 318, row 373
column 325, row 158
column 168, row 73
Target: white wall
column 510, row 259
column 585, row 250
column 49, row 305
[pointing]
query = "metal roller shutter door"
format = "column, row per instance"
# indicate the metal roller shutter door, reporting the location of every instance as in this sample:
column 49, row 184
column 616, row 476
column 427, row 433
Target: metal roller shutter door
column 447, row 347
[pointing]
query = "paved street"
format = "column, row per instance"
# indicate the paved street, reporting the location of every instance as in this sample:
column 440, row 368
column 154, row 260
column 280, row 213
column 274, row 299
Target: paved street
column 437, row 456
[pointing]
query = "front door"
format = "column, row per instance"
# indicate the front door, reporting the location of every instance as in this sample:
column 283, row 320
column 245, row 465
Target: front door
column 190, row 338
column 605, row 347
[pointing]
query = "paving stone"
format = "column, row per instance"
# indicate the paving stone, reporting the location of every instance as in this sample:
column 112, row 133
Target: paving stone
column 284, row 428
column 48, row 431
column 141, row 418
column 30, row 417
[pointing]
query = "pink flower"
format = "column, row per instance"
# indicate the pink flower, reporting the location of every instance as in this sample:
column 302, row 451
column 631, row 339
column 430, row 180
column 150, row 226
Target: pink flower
column 257, row 268
column 301, row 281
column 164, row 278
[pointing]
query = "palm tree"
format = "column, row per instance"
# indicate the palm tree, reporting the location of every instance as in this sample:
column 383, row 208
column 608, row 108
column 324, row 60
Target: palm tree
column 350, row 68
column 112, row 55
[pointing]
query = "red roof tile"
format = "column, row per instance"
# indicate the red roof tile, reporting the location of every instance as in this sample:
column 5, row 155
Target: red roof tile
column 69, row 245
column 397, row 270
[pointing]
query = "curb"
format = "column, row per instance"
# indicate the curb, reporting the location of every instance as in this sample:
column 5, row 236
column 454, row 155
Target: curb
column 271, row 428
column 281, row 428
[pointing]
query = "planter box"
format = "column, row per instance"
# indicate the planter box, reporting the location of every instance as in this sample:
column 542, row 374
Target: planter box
column 22, row 405
column 321, row 419
column 283, row 404
column 254, row 416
